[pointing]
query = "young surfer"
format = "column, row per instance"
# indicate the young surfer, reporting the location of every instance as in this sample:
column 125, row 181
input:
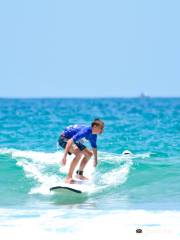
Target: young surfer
column 71, row 139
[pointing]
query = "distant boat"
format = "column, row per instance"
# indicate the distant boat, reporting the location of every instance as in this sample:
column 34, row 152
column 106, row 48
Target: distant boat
column 143, row 95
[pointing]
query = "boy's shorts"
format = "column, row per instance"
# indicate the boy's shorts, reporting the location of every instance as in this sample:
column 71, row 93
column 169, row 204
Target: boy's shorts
column 62, row 141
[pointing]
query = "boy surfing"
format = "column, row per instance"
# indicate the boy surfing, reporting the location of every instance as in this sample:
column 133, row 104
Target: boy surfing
column 71, row 139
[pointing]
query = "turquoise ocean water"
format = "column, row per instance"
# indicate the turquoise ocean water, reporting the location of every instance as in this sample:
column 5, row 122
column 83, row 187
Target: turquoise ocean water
column 129, row 192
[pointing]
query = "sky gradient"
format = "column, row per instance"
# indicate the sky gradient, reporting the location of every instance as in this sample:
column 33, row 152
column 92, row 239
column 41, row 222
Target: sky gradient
column 91, row 48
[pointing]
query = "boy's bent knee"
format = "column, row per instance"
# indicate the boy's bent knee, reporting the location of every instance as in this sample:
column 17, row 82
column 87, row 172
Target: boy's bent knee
column 89, row 155
column 77, row 152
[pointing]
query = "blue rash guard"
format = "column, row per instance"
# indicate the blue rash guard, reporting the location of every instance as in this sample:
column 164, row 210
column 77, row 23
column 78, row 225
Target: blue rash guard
column 78, row 132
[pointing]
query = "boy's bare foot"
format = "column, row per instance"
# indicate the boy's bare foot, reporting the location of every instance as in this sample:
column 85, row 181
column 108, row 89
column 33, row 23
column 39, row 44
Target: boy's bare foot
column 69, row 180
column 81, row 177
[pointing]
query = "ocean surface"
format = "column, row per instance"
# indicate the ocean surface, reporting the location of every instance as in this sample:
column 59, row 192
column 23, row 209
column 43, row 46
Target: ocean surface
column 141, row 190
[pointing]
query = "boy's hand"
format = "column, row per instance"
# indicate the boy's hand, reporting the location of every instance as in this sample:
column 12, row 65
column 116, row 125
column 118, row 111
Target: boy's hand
column 63, row 161
column 95, row 163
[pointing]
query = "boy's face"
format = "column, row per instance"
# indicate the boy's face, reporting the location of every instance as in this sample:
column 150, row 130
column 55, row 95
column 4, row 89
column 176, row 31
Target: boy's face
column 97, row 129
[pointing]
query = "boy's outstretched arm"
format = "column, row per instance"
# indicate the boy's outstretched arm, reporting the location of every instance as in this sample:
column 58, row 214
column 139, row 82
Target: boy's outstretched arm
column 95, row 156
column 68, row 146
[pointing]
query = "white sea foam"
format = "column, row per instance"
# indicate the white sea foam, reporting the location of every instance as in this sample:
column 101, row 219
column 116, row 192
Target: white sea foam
column 111, row 157
column 40, row 157
column 79, row 224
column 117, row 176
column 37, row 165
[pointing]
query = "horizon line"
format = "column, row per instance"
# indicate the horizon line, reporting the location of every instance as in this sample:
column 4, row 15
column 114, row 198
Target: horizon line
column 84, row 97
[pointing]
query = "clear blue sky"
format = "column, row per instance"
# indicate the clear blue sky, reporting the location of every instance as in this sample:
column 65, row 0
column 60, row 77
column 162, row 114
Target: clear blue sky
column 89, row 48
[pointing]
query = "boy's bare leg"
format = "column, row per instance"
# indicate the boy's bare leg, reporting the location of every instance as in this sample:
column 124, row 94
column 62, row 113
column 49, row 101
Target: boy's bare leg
column 87, row 155
column 73, row 164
